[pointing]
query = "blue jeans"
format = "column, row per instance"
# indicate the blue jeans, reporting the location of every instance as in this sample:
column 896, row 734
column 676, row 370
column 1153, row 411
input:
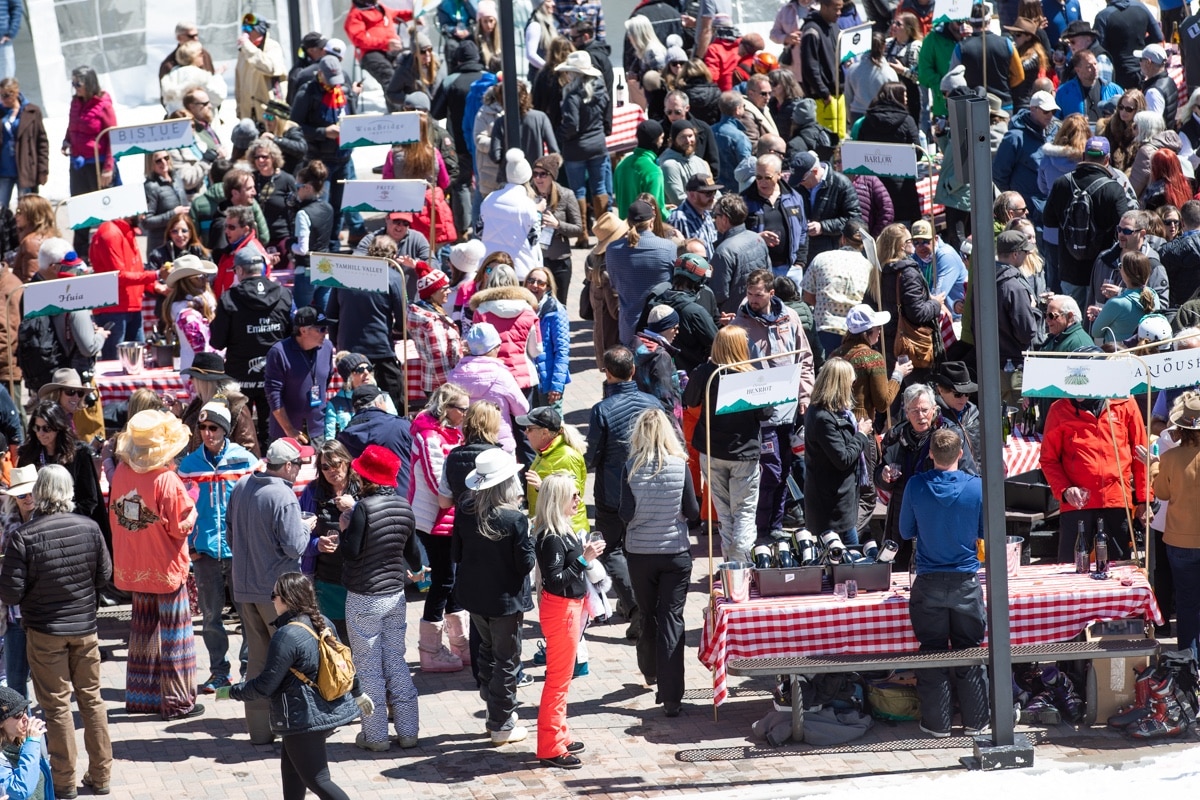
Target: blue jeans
column 1185, row 569
column 302, row 289
column 593, row 176
column 15, row 662
column 123, row 326
column 213, row 576
column 7, row 185
column 8, row 61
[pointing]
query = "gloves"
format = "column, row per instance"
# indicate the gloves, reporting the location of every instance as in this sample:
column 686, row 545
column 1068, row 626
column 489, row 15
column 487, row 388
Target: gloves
column 365, row 704
column 223, row 693
column 897, row 376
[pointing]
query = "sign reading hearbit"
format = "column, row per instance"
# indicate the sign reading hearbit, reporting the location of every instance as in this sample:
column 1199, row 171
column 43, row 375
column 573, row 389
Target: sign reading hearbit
column 743, row 391
column 339, row 271
column 116, row 202
column 395, row 195
column 43, row 298
column 885, row 160
column 166, row 135
column 359, row 130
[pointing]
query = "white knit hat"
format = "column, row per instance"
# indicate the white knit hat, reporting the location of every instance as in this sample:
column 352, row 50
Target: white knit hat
column 518, row 169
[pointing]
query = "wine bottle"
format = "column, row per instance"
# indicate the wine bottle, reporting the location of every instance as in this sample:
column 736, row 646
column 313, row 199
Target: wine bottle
column 783, row 555
column 870, row 550
column 887, row 552
column 1101, row 548
column 762, row 557
column 806, row 548
column 1082, row 555
column 834, row 549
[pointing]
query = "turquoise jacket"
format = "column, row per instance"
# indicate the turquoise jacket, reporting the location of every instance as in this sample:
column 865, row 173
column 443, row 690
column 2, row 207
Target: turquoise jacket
column 213, row 481
column 21, row 782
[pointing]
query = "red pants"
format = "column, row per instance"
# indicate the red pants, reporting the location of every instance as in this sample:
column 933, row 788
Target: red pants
column 562, row 623
column 691, row 418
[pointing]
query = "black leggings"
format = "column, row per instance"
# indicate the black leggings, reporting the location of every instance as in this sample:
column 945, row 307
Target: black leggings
column 441, row 576
column 305, row 766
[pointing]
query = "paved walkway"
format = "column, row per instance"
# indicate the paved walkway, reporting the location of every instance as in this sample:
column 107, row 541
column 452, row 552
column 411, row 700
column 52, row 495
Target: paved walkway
column 632, row 749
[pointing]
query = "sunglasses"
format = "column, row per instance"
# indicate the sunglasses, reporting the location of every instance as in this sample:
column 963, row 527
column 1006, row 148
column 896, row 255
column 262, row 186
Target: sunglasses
column 1128, row 231
column 534, row 282
column 1055, row 315
column 262, row 157
column 362, row 369
column 541, row 173
column 1174, row 223
column 1124, row 107
column 25, row 496
column 163, row 160
column 921, row 241
column 42, row 428
column 74, row 392
column 8, row 96
column 959, row 395
column 463, row 409
column 274, row 595
column 76, row 84
column 331, row 465
column 672, row 112
column 210, row 428
column 205, row 104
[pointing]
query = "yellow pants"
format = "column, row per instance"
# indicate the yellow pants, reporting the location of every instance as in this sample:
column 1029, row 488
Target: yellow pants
column 831, row 114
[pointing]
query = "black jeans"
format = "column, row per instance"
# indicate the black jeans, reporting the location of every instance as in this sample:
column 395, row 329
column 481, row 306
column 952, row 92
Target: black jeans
column 660, row 583
column 82, row 181
column 613, row 527
column 390, row 377
column 946, row 610
column 560, row 268
column 441, row 577
column 262, row 413
column 377, row 64
column 499, row 664
column 304, row 765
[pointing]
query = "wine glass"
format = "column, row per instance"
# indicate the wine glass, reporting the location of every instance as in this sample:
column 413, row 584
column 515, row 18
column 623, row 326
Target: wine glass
column 1082, row 498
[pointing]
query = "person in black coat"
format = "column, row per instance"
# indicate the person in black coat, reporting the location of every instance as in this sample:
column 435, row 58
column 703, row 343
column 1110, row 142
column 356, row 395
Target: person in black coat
column 1181, row 256
column 903, row 290
column 834, row 204
column 887, row 120
column 835, row 464
column 372, row 424
column 953, row 385
column 299, row 714
column 318, row 110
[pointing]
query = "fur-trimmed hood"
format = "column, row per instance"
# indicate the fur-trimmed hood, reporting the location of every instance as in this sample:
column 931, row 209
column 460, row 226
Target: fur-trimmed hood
column 504, row 301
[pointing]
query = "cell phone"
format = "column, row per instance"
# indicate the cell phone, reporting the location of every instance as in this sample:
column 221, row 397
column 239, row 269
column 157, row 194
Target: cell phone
column 108, row 326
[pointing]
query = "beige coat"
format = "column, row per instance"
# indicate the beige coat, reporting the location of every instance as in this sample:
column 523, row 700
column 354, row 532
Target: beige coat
column 258, row 69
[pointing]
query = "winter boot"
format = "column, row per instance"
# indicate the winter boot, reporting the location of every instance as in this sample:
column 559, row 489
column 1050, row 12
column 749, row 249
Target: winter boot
column 1040, row 710
column 599, row 206
column 1167, row 717
column 1141, row 702
column 583, row 241
column 434, row 656
column 458, row 628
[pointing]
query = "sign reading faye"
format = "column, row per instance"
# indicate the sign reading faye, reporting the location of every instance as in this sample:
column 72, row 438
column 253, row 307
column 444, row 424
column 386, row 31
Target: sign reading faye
column 743, row 391
column 339, row 271
column 166, row 135
column 43, row 298
column 89, row 210
column 854, row 42
column 396, row 195
column 359, row 130
column 887, row 160
column 1096, row 377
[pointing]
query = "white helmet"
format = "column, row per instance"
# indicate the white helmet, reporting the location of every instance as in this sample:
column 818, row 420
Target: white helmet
column 1154, row 328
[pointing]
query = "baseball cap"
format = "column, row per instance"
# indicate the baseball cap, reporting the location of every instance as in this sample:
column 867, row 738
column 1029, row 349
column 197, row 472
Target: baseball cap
column 248, row 257
column 921, row 229
column 403, row 216
column 701, row 182
column 286, row 450
column 692, row 266
column 1013, row 242
column 862, row 318
column 331, row 70
column 1152, row 52
column 1044, row 101
column 364, row 395
column 1097, row 146
column 542, row 417
column 639, row 211
column 307, row 317
column 418, row 100
column 313, row 39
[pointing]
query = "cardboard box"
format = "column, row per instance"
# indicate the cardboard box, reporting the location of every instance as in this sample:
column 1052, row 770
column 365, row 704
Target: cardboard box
column 1110, row 680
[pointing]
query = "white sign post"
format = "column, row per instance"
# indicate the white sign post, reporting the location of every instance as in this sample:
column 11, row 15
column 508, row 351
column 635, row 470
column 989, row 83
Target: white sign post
column 884, row 160
column 359, row 130
column 394, row 195
column 339, row 271
column 744, row 391
column 854, row 42
column 117, row 202
column 43, row 298
column 1099, row 377
column 166, row 135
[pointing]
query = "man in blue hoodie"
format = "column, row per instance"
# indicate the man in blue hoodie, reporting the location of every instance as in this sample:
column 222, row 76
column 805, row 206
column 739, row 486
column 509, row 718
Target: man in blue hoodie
column 943, row 510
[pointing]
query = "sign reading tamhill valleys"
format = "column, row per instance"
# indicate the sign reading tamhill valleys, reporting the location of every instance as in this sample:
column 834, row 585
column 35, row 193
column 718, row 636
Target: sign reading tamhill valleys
column 359, row 130
column 339, row 271
column 43, row 298
column 743, row 391
column 885, row 160
column 166, row 135
column 116, row 202
column 394, row 195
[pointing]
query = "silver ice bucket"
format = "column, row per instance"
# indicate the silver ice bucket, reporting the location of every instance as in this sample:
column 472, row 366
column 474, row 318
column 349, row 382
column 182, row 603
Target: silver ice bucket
column 130, row 355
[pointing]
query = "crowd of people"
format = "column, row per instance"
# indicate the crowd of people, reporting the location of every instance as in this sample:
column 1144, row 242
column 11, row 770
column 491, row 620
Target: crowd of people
column 727, row 240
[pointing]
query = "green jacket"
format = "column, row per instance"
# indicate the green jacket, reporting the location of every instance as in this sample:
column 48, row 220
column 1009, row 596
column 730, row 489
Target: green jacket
column 561, row 457
column 934, row 63
column 210, row 204
column 638, row 172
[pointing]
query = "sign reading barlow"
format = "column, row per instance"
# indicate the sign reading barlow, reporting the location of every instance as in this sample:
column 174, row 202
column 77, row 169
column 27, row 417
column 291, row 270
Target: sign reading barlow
column 359, row 130
column 339, row 271
column 884, row 160
column 854, row 42
column 166, row 135
column 89, row 210
column 43, row 298
column 395, row 195
column 743, row 391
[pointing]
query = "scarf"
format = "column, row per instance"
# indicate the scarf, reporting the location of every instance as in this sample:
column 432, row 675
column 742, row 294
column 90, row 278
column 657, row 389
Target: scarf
column 333, row 104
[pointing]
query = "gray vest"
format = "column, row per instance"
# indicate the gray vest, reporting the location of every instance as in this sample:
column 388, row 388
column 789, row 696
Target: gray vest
column 658, row 526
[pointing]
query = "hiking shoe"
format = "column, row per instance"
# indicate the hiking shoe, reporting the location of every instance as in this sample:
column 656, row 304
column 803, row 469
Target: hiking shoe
column 213, row 683
column 539, row 658
column 565, row 761
column 97, row 788
column 405, row 742
column 576, row 747
column 935, row 734
column 361, row 742
column 581, row 669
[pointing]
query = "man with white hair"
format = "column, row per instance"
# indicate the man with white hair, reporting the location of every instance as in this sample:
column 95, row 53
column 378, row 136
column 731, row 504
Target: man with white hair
column 1064, row 334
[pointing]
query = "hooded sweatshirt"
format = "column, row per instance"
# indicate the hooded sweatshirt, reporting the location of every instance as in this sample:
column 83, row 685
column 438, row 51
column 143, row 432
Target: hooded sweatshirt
column 945, row 510
column 251, row 317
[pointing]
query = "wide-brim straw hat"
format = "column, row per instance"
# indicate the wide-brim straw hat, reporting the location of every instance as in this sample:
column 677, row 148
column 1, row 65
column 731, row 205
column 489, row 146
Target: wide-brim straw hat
column 579, row 61
column 151, row 439
column 187, row 266
column 21, row 480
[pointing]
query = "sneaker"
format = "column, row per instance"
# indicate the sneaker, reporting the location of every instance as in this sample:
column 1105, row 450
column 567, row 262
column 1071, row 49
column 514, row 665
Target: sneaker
column 97, row 788
column 565, row 761
column 525, row 680
column 539, row 658
column 581, row 669
column 361, row 742
column 983, row 731
column 935, row 734
column 213, row 683
column 196, row 711
column 516, row 733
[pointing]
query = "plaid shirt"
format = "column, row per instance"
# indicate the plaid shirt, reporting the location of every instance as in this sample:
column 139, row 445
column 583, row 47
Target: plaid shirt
column 568, row 11
column 438, row 343
column 694, row 225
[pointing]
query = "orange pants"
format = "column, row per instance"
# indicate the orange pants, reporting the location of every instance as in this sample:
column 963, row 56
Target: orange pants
column 691, row 418
column 562, row 624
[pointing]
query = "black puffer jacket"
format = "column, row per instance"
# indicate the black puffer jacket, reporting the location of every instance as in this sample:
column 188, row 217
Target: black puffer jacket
column 162, row 198
column 832, row 451
column 450, row 100
column 887, row 121
column 836, row 204
column 702, row 102
column 376, row 544
column 581, row 130
column 601, row 55
column 913, row 299
column 295, row 706
column 52, row 568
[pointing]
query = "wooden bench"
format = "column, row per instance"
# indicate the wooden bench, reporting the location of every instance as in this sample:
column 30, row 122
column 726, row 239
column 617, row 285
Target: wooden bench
column 970, row 657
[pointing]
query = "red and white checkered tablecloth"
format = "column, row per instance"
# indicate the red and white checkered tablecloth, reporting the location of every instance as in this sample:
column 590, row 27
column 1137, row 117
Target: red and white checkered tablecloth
column 626, row 118
column 1046, row 604
column 1022, row 453
column 926, row 188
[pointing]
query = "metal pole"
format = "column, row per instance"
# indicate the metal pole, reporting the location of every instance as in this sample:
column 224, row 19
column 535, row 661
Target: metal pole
column 991, row 467
column 508, row 57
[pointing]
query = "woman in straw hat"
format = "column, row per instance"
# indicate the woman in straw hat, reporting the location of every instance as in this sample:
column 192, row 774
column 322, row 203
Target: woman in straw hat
column 1175, row 483
column 15, row 510
column 190, row 306
column 603, row 298
column 152, row 516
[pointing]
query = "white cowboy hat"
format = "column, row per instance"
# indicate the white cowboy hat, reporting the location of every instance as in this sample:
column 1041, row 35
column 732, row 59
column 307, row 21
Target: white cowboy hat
column 492, row 467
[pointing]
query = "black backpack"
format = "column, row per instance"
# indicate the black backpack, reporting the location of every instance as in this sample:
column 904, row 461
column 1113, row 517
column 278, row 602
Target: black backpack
column 1077, row 234
column 39, row 351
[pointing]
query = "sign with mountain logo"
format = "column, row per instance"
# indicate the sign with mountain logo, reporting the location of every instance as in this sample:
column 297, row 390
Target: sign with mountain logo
column 745, row 391
column 360, row 130
column 44, row 298
column 882, row 160
column 116, row 202
column 169, row 134
column 339, row 271
column 393, row 195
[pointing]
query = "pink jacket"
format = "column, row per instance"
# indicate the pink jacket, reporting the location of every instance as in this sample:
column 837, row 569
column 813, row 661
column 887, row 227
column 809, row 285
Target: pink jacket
column 431, row 442
column 513, row 312
column 85, row 121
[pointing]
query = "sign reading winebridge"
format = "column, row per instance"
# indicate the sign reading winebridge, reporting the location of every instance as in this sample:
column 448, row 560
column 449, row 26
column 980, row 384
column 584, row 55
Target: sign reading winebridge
column 44, row 298
column 339, row 271
column 359, row 130
column 883, row 160
column 744, row 391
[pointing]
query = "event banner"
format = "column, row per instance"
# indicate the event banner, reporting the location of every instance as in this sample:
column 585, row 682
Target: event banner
column 743, row 391
column 43, row 298
column 394, row 195
column 166, row 135
column 338, row 271
column 950, row 10
column 116, row 202
column 853, row 42
column 1177, row 369
column 884, row 160
column 1093, row 377
column 359, row 130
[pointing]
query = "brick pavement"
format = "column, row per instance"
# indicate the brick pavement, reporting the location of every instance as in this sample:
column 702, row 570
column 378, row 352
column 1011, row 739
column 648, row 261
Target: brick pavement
column 632, row 749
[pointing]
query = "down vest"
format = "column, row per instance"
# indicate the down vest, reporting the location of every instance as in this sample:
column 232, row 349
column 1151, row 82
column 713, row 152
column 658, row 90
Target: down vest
column 512, row 310
column 53, row 567
column 377, row 542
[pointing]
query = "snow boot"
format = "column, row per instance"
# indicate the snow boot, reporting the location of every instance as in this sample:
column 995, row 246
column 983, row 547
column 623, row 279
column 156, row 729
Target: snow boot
column 434, row 655
column 458, row 628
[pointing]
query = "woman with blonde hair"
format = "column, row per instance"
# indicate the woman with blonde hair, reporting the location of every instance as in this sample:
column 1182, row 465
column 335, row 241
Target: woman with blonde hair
column 1061, row 156
column 835, row 445
column 903, row 52
column 190, row 306
column 903, row 290
column 728, row 444
column 658, row 502
column 565, row 563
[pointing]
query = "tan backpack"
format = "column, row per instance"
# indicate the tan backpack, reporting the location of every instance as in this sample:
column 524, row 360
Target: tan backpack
column 335, row 667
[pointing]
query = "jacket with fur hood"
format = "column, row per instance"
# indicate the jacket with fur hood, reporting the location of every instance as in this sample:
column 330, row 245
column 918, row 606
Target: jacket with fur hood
column 512, row 310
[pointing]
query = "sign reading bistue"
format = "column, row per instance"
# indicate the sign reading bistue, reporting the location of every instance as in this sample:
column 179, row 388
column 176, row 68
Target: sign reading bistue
column 44, row 298
column 166, row 135
column 884, row 160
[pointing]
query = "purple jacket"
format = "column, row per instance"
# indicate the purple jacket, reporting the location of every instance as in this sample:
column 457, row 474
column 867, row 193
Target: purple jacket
column 874, row 202
column 485, row 378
